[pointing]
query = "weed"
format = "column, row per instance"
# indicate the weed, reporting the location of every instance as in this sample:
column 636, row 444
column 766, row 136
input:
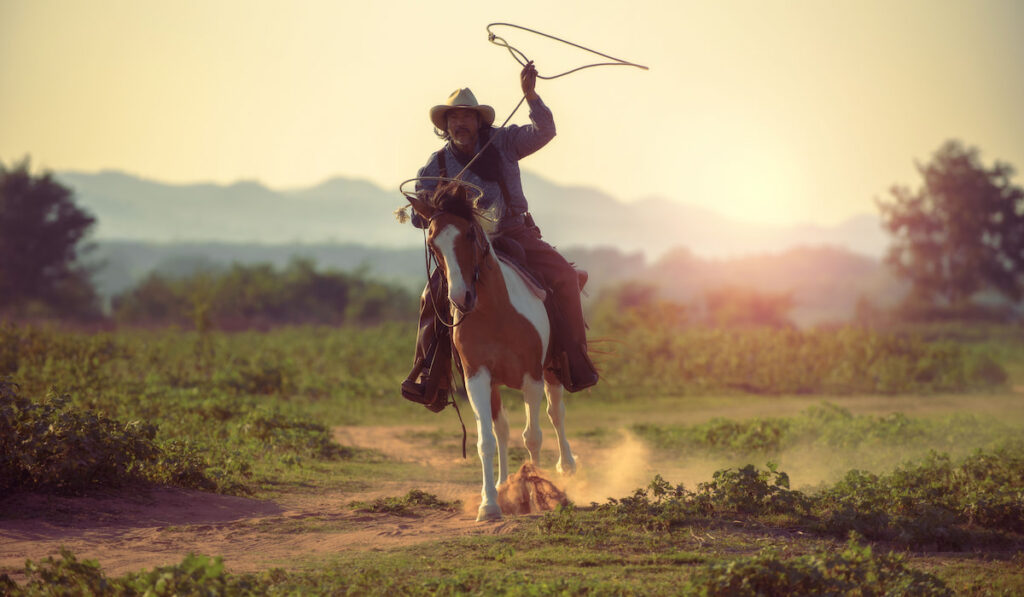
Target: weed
column 854, row 571
column 407, row 505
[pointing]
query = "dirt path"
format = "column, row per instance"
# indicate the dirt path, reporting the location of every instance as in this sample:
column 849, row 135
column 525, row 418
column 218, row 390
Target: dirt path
column 160, row 527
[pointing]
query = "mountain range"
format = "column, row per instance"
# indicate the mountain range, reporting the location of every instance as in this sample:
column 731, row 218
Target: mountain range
column 344, row 224
column 342, row 210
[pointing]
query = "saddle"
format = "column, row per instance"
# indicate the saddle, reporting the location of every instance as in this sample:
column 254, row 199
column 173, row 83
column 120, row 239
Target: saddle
column 435, row 368
column 532, row 283
column 516, row 259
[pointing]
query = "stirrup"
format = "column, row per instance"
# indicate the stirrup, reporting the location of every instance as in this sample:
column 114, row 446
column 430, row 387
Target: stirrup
column 420, row 393
column 414, row 391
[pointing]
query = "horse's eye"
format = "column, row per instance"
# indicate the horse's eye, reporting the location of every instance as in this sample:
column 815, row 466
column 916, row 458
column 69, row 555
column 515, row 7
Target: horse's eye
column 471, row 235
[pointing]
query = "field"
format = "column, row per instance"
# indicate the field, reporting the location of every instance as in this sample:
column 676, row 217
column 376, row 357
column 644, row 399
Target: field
column 840, row 461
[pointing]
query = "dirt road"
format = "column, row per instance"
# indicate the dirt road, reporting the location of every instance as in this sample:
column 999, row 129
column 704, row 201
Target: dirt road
column 127, row 532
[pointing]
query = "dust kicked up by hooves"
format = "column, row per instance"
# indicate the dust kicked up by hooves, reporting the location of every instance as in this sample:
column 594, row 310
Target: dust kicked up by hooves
column 528, row 491
column 613, row 471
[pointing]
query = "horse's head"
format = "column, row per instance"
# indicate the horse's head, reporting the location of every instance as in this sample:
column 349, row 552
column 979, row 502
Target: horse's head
column 459, row 243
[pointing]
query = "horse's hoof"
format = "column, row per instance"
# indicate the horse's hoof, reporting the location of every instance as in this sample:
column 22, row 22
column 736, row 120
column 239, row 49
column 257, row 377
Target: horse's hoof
column 492, row 512
column 567, row 469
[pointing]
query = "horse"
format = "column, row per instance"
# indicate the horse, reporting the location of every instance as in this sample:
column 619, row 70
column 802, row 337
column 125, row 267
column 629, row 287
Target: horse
column 501, row 333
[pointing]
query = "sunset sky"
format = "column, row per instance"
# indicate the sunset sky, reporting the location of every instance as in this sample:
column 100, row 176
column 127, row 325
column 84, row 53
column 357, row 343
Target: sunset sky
column 767, row 111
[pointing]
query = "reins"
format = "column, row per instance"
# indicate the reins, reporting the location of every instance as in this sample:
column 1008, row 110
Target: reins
column 427, row 257
column 454, row 324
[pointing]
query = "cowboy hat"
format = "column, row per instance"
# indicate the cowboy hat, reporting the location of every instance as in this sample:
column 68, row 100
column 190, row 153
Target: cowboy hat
column 460, row 98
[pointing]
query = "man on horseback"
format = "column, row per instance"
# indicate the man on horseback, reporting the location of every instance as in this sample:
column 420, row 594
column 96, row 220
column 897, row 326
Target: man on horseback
column 467, row 126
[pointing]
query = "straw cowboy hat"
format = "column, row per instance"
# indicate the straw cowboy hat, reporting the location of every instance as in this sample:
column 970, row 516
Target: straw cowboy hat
column 460, row 98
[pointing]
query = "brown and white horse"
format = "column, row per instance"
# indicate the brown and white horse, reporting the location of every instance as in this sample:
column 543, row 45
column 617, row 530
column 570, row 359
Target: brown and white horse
column 501, row 333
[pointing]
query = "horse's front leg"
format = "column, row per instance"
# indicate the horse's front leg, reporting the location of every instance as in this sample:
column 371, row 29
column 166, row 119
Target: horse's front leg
column 479, row 388
column 532, row 434
column 501, row 433
column 556, row 412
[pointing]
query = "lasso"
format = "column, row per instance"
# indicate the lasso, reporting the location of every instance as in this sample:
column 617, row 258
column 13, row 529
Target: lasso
column 451, row 183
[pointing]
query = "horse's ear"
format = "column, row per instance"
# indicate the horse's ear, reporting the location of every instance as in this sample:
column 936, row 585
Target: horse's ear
column 421, row 206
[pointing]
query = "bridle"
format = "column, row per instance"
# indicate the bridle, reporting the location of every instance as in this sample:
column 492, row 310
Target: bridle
column 482, row 248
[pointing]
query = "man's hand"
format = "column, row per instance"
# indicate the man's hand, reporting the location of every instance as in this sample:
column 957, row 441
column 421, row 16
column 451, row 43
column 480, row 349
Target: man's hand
column 528, row 78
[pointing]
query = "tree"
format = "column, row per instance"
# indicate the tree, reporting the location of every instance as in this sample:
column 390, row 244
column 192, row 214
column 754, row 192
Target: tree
column 735, row 306
column 961, row 232
column 40, row 231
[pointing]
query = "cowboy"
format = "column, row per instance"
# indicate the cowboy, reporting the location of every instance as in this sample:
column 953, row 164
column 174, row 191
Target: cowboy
column 467, row 126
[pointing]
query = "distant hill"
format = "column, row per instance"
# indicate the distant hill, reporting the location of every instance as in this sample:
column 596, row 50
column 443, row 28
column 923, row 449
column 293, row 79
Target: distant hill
column 347, row 225
column 346, row 211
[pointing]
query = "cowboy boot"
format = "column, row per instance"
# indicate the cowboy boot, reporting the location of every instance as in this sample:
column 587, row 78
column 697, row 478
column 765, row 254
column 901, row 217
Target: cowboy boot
column 573, row 365
column 429, row 381
column 578, row 370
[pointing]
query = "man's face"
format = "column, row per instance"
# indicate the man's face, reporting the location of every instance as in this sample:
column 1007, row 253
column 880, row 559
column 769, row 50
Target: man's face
column 463, row 128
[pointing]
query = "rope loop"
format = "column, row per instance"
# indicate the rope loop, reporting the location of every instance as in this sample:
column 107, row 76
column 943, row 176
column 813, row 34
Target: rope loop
column 521, row 58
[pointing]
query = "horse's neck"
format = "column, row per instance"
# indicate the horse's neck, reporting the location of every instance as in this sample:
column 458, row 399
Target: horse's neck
column 493, row 280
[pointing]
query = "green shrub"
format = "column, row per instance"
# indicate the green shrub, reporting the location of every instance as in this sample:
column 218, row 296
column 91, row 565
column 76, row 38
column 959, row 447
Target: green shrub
column 668, row 359
column 65, row 576
column 53, row 446
column 257, row 296
column 823, row 426
column 407, row 505
column 748, row 490
column 854, row 571
column 933, row 503
column 196, row 575
column 930, row 503
column 660, row 507
column 276, row 429
column 266, row 375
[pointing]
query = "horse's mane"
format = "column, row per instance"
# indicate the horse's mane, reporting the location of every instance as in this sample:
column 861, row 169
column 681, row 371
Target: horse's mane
column 455, row 203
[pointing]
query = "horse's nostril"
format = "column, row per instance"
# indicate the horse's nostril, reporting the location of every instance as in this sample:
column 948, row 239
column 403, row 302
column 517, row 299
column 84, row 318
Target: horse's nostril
column 469, row 298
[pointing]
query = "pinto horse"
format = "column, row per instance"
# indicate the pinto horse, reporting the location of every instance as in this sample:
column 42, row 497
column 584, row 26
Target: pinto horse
column 501, row 333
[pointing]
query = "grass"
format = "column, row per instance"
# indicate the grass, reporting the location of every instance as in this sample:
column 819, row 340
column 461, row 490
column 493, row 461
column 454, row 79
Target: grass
column 256, row 410
column 411, row 504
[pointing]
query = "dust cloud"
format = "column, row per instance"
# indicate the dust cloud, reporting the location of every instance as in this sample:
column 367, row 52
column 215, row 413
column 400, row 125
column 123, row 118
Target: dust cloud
column 529, row 491
column 627, row 465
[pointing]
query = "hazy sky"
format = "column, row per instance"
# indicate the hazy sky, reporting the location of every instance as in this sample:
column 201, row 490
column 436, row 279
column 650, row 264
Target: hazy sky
column 763, row 110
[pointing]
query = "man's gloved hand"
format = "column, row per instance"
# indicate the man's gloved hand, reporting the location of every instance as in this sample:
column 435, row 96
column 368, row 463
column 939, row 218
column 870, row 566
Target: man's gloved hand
column 528, row 80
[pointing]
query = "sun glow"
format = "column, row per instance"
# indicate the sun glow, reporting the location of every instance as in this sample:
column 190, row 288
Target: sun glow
column 799, row 112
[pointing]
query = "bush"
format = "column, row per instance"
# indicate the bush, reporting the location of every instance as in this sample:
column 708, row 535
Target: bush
column 195, row 575
column 823, row 426
column 277, row 430
column 661, row 507
column 407, row 505
column 665, row 360
column 53, row 446
column 256, row 296
column 748, row 490
column 854, row 571
column 932, row 502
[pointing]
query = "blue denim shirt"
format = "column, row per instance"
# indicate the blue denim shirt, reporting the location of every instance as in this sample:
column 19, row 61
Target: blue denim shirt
column 513, row 143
